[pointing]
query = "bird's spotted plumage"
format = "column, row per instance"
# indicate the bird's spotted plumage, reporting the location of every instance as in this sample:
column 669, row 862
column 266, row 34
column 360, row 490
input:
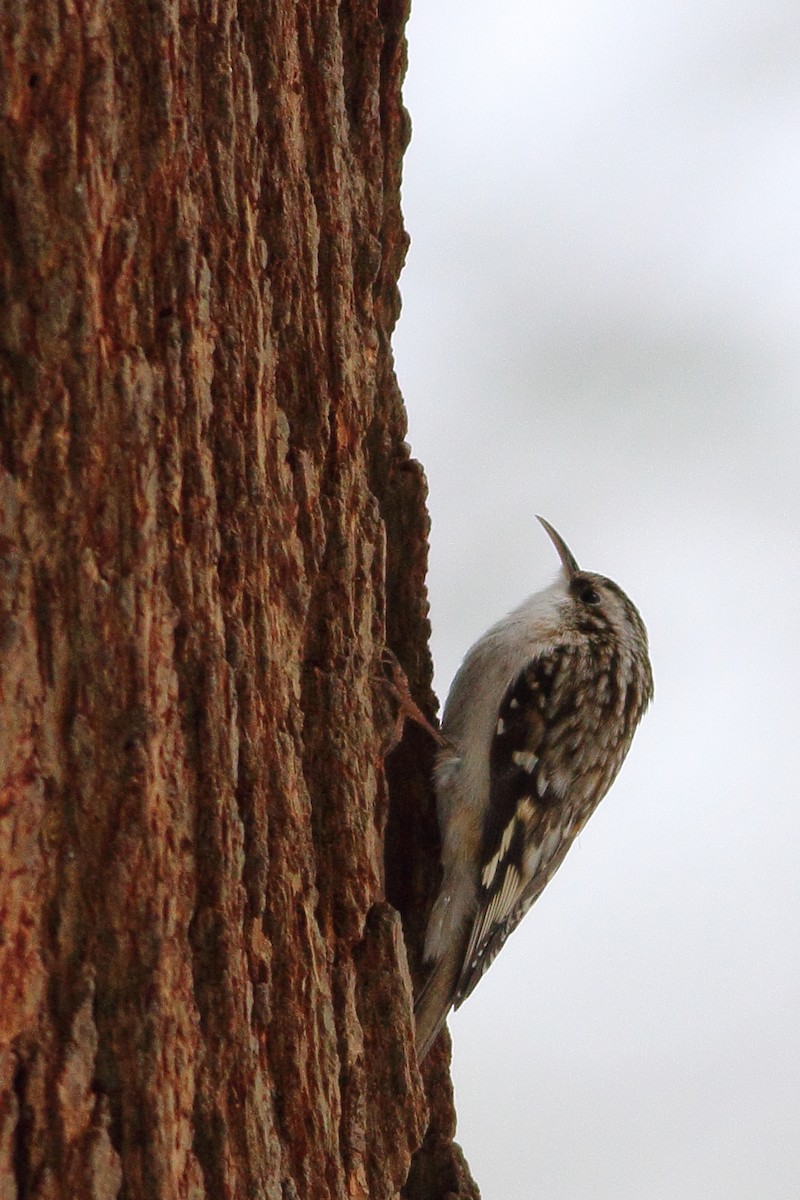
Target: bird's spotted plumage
column 537, row 724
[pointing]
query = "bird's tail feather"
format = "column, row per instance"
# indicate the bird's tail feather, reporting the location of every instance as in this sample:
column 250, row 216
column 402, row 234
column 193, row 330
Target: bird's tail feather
column 434, row 1002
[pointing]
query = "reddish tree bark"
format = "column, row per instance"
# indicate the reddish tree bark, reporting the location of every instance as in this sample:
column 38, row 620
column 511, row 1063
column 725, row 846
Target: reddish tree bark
column 208, row 521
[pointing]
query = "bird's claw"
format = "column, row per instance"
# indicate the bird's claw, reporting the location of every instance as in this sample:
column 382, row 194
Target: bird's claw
column 394, row 679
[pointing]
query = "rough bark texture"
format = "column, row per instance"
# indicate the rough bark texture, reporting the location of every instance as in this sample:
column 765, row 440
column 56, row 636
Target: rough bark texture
column 208, row 520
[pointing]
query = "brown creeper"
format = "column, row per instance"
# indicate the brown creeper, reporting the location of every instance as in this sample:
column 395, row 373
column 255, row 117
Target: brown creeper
column 536, row 726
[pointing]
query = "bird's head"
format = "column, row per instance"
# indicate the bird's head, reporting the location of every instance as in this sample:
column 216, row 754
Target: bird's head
column 596, row 606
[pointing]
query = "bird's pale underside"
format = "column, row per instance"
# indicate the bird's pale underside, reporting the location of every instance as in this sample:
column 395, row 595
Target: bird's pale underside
column 536, row 726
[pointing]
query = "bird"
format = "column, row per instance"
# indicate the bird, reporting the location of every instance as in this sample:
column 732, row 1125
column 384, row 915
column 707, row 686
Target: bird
column 537, row 723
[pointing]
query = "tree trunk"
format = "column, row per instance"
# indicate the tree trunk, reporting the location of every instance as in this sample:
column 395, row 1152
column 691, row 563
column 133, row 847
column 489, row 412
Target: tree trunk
column 208, row 522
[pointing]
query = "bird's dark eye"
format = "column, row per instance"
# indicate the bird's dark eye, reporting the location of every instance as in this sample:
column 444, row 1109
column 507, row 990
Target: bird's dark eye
column 588, row 595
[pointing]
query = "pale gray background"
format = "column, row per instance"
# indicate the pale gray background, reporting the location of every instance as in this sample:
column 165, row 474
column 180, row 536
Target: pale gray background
column 601, row 324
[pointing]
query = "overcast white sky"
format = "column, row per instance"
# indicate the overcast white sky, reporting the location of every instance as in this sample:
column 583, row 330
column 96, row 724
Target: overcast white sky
column 601, row 324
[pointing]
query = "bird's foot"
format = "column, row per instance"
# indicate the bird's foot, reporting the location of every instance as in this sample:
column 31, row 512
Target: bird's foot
column 394, row 679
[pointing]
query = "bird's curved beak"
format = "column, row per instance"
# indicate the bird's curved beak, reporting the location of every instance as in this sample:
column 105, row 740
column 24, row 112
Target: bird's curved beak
column 564, row 553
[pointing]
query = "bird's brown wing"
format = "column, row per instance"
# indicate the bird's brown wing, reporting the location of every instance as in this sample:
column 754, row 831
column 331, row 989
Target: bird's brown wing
column 524, row 839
